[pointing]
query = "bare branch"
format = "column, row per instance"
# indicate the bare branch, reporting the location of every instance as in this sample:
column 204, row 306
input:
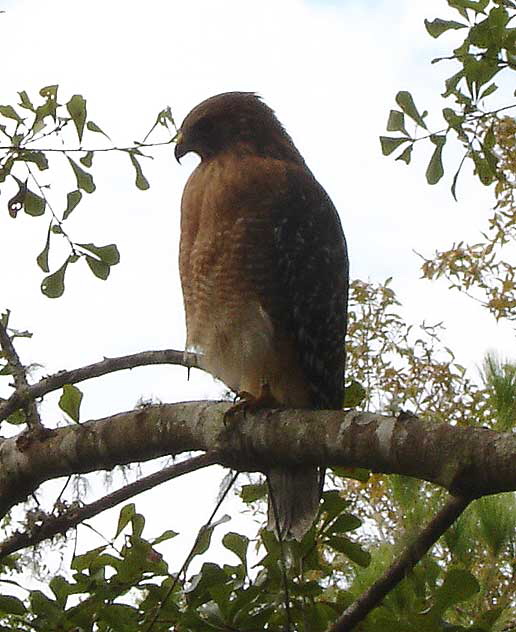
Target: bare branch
column 409, row 557
column 466, row 461
column 20, row 377
column 108, row 365
column 54, row 525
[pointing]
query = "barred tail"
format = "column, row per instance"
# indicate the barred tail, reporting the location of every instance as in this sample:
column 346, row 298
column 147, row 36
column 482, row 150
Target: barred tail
column 294, row 496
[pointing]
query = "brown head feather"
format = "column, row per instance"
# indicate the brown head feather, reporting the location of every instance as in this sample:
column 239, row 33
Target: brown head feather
column 238, row 121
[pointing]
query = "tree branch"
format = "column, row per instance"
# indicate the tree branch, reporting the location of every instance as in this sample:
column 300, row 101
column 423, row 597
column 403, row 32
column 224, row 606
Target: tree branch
column 25, row 392
column 54, row 525
column 20, row 377
column 466, row 461
column 409, row 557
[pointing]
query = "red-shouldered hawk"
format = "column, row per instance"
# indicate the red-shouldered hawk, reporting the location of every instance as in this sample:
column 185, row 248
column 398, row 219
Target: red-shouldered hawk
column 264, row 270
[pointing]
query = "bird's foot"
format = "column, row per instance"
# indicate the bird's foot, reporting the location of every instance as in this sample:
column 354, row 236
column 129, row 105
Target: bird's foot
column 247, row 402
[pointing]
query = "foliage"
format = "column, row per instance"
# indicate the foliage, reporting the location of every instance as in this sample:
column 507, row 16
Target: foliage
column 487, row 50
column 482, row 269
column 488, row 139
column 32, row 130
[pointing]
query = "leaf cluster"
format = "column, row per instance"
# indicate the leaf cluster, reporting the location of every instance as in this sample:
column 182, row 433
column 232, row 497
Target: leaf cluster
column 487, row 49
column 32, row 129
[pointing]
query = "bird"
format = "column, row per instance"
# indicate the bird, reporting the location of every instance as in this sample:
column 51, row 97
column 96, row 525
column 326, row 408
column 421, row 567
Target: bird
column 265, row 273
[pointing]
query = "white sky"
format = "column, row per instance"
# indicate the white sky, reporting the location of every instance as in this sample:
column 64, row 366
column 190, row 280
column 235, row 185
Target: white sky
column 330, row 70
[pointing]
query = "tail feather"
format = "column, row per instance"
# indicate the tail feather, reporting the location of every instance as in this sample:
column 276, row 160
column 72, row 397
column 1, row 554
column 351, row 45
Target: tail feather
column 294, row 496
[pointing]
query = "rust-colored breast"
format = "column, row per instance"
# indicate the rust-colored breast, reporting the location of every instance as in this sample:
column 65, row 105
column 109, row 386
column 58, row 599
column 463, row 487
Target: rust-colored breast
column 233, row 302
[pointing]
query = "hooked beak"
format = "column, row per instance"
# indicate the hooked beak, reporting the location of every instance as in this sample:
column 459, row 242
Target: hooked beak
column 180, row 149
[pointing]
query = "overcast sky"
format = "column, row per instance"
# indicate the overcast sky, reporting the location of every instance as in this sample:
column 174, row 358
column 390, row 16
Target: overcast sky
column 330, row 69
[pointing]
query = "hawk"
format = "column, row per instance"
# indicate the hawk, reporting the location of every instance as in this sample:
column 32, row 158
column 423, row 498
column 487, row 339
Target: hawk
column 264, row 272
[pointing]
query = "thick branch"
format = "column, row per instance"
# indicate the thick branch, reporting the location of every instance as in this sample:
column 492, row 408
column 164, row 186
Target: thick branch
column 410, row 556
column 25, row 393
column 54, row 525
column 466, row 461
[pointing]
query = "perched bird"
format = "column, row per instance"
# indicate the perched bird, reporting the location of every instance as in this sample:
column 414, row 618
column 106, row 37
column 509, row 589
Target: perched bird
column 264, row 271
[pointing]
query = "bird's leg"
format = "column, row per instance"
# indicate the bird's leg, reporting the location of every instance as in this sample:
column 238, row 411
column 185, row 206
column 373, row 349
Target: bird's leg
column 247, row 402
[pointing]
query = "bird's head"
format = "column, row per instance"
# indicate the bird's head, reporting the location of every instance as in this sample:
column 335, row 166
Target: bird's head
column 230, row 119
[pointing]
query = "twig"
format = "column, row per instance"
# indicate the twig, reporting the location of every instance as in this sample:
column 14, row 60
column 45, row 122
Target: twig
column 108, row 365
column 190, row 555
column 60, row 524
column 86, row 149
column 288, row 618
column 20, row 378
column 428, row 536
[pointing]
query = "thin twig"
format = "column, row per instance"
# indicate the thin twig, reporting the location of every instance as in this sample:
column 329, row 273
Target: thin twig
column 108, row 365
column 190, row 555
column 427, row 537
column 20, row 378
column 85, row 149
column 60, row 524
column 288, row 619
column 47, row 202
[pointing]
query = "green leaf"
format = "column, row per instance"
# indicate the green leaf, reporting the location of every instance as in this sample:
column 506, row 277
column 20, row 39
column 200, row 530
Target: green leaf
column 61, row 589
column 438, row 27
column 396, row 122
column 70, row 401
column 76, row 107
column 72, row 199
column 451, row 83
column 351, row 550
column 12, row 605
column 17, row 202
column 166, row 535
column 87, row 159
column 85, row 560
column 100, row 269
column 53, row 284
column 459, row 585
column 25, row 101
column 435, row 171
column 482, row 168
column 345, row 522
column 475, row 5
column 108, row 254
column 84, row 179
column 42, row 258
column 455, row 179
column 238, row 544
column 479, row 71
column 37, row 157
column 406, row 102
column 203, row 540
column 453, row 119
column 406, row 154
column 389, row 144
column 93, row 127
column 333, row 504
column 17, row 418
column 138, row 524
column 489, row 90
column 141, row 181
column 354, row 395
column 125, row 516
column 9, row 112
column 33, row 204
column 456, row 4
column 49, row 92
column 251, row 493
